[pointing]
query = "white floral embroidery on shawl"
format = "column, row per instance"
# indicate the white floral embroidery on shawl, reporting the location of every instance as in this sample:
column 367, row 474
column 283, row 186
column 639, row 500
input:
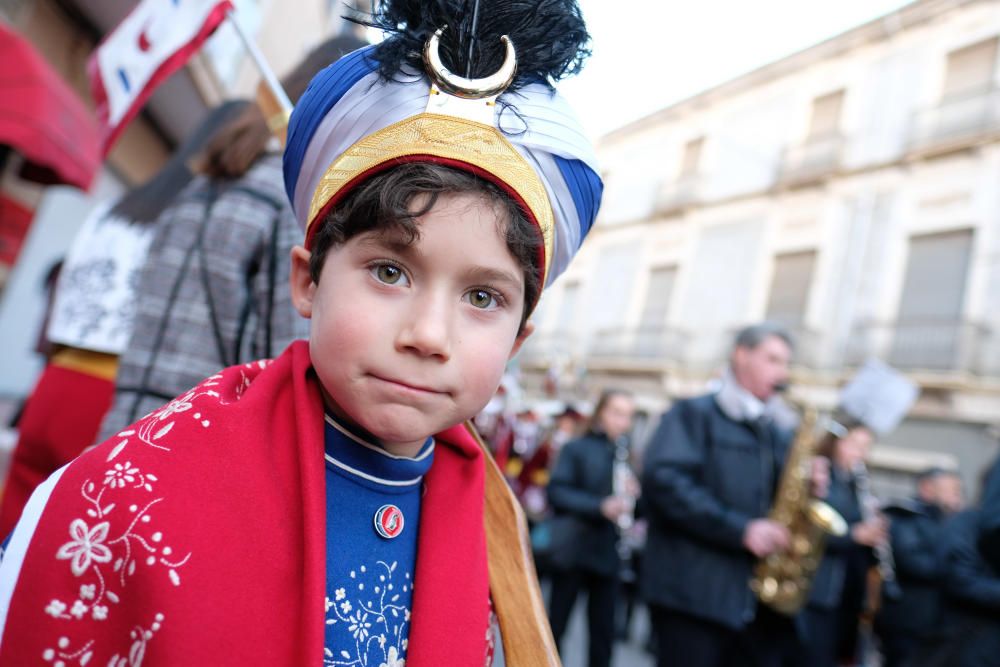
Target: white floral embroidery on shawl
column 116, row 537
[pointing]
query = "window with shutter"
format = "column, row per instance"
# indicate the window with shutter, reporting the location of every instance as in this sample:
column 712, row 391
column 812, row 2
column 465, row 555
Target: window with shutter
column 970, row 69
column 692, row 156
column 661, row 286
column 790, row 287
column 825, row 120
column 721, row 275
column 650, row 340
column 608, row 294
column 929, row 324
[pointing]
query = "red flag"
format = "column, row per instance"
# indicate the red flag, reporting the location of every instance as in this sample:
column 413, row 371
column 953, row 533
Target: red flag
column 153, row 42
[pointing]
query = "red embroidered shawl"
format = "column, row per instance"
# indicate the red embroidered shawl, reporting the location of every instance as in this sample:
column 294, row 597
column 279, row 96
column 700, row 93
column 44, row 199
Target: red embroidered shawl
column 197, row 537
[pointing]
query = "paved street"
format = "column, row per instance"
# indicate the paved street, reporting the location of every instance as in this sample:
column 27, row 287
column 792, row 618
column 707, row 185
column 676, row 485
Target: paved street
column 626, row 654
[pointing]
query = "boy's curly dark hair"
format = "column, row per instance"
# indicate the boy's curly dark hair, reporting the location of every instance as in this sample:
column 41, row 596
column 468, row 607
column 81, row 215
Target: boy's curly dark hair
column 384, row 202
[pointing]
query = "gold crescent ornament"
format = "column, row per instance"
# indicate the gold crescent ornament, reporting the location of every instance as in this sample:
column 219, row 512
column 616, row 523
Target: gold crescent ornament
column 460, row 86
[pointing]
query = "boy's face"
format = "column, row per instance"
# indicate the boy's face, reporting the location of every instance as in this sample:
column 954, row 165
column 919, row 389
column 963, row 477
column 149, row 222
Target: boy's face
column 411, row 339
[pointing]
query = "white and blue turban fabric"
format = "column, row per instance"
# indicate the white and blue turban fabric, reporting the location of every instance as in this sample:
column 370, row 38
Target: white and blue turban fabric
column 347, row 126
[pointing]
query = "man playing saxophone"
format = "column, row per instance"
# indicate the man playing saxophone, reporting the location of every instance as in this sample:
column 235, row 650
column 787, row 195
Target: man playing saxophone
column 709, row 481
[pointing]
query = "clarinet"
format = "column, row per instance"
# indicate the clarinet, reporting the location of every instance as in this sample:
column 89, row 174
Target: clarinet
column 621, row 475
column 883, row 551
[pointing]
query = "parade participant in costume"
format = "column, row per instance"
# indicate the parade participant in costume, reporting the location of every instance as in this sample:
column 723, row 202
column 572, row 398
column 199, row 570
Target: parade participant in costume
column 709, row 478
column 585, row 529
column 329, row 506
column 520, row 446
column 90, row 324
column 212, row 289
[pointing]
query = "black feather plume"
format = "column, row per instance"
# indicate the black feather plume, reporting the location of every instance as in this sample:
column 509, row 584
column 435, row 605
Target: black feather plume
column 549, row 36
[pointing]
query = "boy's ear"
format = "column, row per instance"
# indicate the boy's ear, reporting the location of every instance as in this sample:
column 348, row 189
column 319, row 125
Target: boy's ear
column 301, row 282
column 528, row 329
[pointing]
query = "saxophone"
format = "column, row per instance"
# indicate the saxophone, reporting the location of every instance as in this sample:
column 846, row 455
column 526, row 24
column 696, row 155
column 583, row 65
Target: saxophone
column 782, row 580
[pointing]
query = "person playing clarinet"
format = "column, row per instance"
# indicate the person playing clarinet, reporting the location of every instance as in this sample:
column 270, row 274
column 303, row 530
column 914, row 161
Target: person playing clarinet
column 858, row 568
column 830, row 619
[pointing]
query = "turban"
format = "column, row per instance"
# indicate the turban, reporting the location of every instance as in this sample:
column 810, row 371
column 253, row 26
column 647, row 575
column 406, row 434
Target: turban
column 352, row 123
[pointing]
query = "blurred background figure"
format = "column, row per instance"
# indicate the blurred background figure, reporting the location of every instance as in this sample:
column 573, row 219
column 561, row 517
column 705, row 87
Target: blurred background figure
column 969, row 626
column 495, row 421
column 708, row 483
column 989, row 529
column 520, row 445
column 44, row 346
column 214, row 288
column 9, row 434
column 531, row 484
column 838, row 596
column 591, row 507
column 857, row 573
column 91, row 321
column 917, row 532
column 532, row 481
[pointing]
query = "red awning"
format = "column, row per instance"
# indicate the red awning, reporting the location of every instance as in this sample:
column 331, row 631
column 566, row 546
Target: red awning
column 43, row 119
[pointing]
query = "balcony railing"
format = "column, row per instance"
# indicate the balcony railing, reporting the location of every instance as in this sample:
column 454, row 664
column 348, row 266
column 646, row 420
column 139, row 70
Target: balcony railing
column 811, row 161
column 678, row 195
column 923, row 347
column 659, row 346
column 930, row 346
column 956, row 122
column 645, row 345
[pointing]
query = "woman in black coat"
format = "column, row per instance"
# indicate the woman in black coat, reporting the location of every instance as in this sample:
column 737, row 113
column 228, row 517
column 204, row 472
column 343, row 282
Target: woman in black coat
column 585, row 526
column 830, row 619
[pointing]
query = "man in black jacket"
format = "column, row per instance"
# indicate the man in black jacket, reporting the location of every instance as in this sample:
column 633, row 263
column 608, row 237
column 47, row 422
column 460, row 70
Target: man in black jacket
column 916, row 533
column 709, row 479
column 970, row 635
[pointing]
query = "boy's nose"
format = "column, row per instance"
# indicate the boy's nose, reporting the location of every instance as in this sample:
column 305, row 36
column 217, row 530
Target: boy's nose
column 426, row 330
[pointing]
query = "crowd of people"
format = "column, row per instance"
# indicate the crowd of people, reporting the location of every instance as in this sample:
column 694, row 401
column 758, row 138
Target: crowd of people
column 911, row 582
column 180, row 277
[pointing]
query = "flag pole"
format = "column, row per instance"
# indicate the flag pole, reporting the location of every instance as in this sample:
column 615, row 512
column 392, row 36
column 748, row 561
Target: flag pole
column 279, row 108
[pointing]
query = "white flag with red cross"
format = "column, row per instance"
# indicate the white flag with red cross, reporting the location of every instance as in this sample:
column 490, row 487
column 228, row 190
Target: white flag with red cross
column 154, row 41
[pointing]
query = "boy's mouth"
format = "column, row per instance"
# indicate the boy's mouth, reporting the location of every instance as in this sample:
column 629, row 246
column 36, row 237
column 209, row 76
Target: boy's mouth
column 408, row 386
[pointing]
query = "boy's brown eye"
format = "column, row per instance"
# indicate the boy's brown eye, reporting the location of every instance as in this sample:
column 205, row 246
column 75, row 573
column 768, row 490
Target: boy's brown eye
column 480, row 298
column 388, row 273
